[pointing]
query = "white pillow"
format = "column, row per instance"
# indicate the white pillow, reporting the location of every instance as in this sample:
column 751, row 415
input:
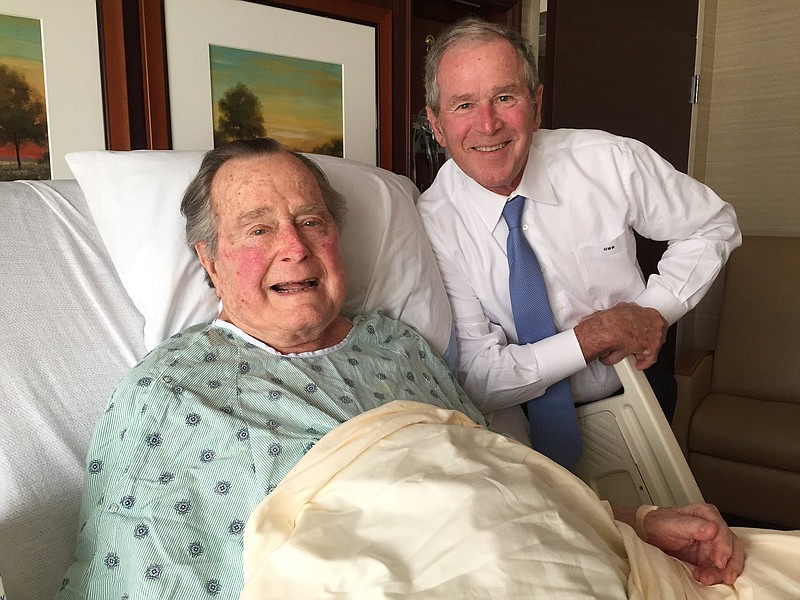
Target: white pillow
column 135, row 199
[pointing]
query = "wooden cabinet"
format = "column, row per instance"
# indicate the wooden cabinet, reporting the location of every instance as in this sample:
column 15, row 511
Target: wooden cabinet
column 624, row 67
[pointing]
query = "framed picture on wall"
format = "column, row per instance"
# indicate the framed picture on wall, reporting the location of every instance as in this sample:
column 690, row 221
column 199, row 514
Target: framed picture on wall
column 50, row 86
column 316, row 83
column 297, row 101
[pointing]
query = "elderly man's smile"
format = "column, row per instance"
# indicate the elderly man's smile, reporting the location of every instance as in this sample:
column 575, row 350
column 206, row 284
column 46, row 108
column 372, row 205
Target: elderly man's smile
column 290, row 287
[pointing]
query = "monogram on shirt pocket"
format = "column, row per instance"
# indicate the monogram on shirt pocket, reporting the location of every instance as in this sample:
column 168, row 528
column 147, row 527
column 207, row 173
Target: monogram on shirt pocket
column 609, row 270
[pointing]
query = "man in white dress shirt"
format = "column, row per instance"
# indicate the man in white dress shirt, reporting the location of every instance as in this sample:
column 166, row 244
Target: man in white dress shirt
column 586, row 191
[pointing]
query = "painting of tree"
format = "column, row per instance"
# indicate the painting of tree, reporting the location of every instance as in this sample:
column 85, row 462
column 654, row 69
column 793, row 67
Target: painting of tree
column 23, row 115
column 240, row 116
column 296, row 101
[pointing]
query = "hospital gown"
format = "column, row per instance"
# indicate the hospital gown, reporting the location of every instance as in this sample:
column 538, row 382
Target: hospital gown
column 204, row 428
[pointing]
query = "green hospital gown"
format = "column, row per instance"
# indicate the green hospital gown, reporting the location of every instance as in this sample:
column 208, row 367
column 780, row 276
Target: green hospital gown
column 204, row 428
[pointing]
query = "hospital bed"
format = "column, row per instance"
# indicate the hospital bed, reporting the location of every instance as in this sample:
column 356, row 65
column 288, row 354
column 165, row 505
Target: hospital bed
column 630, row 455
column 95, row 272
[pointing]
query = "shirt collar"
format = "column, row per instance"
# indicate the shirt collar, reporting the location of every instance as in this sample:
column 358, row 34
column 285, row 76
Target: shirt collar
column 535, row 184
column 258, row 343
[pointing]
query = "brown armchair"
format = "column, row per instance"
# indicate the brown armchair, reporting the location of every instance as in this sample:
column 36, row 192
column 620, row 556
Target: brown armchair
column 738, row 413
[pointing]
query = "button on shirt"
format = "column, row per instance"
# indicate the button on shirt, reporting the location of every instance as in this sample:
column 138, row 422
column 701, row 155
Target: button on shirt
column 587, row 192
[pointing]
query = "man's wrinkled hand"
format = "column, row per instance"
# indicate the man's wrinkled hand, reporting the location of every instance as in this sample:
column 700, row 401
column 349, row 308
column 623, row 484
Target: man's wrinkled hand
column 697, row 534
column 624, row 329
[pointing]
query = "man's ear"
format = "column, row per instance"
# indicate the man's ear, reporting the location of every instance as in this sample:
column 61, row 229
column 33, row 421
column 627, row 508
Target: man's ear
column 436, row 126
column 209, row 264
column 537, row 117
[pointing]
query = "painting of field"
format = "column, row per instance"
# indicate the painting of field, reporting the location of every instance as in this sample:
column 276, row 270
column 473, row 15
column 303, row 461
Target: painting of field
column 296, row 101
column 24, row 150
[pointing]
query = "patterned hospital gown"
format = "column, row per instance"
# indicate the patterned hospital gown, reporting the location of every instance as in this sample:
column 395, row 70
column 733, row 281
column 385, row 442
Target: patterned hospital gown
column 204, row 428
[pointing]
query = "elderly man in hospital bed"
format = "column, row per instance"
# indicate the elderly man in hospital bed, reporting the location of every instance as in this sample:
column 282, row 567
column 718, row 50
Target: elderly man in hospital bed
column 357, row 463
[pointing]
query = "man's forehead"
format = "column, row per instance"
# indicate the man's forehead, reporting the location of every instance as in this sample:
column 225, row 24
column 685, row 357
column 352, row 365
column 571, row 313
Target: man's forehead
column 257, row 179
column 492, row 45
column 282, row 172
column 498, row 50
column 281, row 165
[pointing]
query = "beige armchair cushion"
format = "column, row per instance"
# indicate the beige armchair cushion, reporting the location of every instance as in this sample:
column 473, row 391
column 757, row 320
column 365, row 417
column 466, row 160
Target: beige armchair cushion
column 763, row 431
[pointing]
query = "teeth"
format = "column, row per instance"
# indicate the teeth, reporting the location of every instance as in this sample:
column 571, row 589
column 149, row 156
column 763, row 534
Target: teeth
column 491, row 148
column 286, row 287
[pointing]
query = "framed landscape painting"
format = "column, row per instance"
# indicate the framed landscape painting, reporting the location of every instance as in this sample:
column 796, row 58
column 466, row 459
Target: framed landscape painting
column 50, row 86
column 301, row 68
column 24, row 148
column 297, row 101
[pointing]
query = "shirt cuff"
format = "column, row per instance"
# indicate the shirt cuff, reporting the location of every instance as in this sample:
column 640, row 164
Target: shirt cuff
column 559, row 356
column 664, row 302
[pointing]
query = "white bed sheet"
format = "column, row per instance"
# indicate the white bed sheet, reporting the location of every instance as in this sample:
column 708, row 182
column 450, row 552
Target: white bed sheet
column 412, row 501
column 68, row 333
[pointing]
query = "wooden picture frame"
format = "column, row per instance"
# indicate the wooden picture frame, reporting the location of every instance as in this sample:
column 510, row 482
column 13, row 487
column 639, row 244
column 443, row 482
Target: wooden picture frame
column 155, row 111
column 72, row 74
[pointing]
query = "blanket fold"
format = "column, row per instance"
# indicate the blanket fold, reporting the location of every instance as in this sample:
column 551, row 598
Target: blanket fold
column 412, row 501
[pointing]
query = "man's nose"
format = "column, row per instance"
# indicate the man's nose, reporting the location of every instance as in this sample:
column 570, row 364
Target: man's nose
column 488, row 120
column 291, row 245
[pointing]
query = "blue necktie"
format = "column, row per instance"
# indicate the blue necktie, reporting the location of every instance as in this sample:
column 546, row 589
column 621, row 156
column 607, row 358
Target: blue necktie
column 553, row 424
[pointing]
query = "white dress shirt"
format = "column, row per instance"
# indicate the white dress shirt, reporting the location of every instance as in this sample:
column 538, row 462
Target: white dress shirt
column 587, row 192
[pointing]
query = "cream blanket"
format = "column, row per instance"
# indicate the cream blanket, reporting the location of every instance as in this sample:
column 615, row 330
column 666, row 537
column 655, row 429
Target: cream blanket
column 411, row 501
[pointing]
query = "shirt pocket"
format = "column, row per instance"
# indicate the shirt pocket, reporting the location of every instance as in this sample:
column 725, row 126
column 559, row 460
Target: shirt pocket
column 610, row 271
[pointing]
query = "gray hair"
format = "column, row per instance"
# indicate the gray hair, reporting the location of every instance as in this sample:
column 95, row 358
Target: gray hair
column 196, row 206
column 472, row 30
